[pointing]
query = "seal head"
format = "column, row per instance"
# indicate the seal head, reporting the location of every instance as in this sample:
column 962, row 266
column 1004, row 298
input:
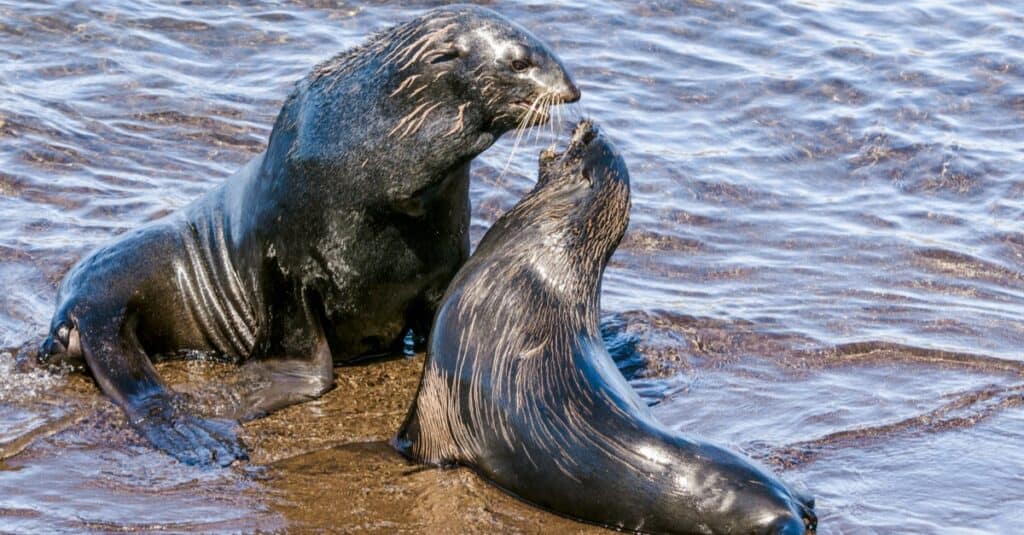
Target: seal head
column 515, row 74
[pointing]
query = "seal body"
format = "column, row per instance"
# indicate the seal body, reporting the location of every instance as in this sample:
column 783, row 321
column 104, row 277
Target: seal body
column 325, row 248
column 519, row 386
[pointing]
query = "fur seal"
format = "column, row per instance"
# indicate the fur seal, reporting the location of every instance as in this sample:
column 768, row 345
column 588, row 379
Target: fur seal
column 519, row 386
column 326, row 247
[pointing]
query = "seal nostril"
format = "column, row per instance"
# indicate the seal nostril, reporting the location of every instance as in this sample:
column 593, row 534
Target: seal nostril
column 583, row 133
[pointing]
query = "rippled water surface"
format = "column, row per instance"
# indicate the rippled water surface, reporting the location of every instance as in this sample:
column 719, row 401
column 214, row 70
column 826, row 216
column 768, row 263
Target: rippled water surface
column 824, row 267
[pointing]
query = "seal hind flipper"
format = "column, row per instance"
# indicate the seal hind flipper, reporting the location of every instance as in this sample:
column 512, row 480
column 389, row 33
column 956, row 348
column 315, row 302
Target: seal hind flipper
column 185, row 436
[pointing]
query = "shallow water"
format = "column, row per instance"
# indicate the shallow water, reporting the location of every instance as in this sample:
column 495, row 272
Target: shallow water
column 824, row 267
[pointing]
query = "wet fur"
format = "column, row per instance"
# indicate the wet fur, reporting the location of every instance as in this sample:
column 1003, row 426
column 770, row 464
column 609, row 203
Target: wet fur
column 326, row 248
column 519, row 386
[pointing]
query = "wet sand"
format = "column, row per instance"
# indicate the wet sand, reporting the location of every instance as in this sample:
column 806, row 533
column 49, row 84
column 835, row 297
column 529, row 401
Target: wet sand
column 325, row 465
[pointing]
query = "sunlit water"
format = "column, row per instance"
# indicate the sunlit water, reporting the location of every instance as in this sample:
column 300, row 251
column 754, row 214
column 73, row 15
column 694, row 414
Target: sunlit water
column 824, row 267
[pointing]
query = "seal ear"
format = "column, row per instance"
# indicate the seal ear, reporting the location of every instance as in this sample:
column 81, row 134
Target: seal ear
column 450, row 53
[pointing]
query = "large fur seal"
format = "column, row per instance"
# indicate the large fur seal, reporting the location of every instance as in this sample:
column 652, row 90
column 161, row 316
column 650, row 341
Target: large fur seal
column 326, row 247
column 518, row 384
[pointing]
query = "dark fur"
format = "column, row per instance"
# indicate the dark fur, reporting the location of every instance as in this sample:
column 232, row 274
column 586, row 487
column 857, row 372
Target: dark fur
column 326, row 247
column 519, row 386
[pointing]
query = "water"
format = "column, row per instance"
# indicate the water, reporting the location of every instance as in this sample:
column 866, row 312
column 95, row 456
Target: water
column 824, row 267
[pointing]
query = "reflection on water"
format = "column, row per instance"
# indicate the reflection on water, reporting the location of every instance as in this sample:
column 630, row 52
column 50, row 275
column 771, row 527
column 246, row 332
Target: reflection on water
column 824, row 268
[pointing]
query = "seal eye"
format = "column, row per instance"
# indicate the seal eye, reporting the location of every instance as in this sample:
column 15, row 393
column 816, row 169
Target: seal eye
column 586, row 176
column 520, row 65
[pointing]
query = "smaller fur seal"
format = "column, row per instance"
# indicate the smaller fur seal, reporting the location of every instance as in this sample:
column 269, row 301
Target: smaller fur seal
column 328, row 246
column 519, row 386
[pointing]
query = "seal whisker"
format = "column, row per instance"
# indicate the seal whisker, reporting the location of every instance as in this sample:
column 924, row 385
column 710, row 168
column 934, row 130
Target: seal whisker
column 561, row 119
column 524, row 123
column 537, row 116
column 549, row 104
column 549, row 112
column 539, row 105
column 557, row 123
column 543, row 106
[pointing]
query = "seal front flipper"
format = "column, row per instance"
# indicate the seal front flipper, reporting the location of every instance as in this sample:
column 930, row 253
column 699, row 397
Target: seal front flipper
column 109, row 344
column 426, row 435
column 269, row 385
column 190, row 439
column 293, row 365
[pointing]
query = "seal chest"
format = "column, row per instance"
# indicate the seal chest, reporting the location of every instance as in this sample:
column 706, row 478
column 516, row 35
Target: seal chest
column 519, row 386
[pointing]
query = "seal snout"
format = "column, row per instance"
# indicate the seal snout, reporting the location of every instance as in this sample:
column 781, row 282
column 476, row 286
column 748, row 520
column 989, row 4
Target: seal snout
column 585, row 132
column 582, row 135
column 568, row 92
